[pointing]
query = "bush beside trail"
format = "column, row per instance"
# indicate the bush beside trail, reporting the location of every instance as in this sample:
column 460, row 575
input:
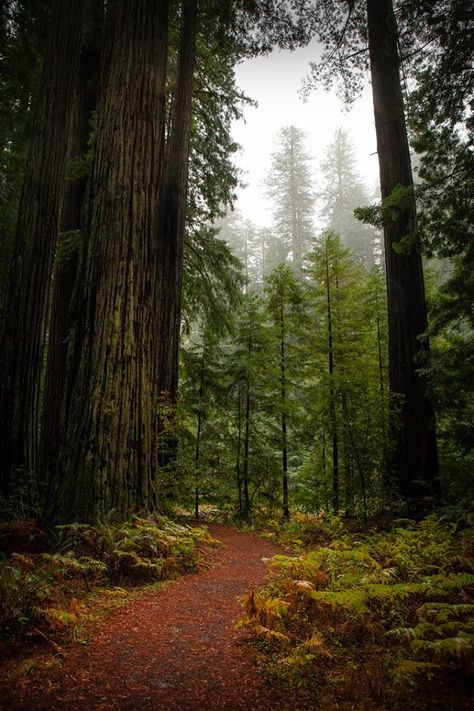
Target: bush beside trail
column 44, row 581
column 375, row 620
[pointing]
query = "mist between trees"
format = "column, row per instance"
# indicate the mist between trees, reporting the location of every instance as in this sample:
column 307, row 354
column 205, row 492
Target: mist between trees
column 157, row 349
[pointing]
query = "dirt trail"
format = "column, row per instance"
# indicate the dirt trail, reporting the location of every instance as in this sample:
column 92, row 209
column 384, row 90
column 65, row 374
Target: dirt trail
column 175, row 649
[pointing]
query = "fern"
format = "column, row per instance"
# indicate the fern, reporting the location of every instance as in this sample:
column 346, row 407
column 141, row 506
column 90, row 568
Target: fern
column 398, row 601
column 458, row 650
column 440, row 612
column 351, row 601
column 409, row 670
column 40, row 589
column 56, row 619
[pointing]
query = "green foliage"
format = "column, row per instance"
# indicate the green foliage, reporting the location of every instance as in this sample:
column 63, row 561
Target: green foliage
column 399, row 601
column 441, row 121
column 212, row 274
column 212, row 280
column 370, row 215
column 305, row 529
column 289, row 188
column 400, row 200
column 345, row 378
column 77, row 168
column 68, row 245
column 237, row 348
column 40, row 591
column 23, row 30
column 342, row 192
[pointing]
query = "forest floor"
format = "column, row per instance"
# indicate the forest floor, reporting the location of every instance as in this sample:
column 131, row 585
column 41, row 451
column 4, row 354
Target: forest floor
column 173, row 648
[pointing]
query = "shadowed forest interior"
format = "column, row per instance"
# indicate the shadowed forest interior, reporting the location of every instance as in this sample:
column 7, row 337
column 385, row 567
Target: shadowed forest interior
column 167, row 361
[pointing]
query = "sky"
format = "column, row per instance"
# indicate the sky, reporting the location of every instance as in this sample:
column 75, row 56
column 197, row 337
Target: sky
column 274, row 81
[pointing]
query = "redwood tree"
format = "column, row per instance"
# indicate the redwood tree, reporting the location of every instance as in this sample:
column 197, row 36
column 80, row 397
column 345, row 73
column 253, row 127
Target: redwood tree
column 171, row 218
column 67, row 253
column 107, row 459
column 413, row 460
column 22, row 337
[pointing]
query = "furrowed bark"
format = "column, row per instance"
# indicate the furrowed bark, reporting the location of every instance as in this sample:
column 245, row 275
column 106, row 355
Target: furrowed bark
column 171, row 220
column 67, row 258
column 22, row 338
column 413, row 461
column 108, row 456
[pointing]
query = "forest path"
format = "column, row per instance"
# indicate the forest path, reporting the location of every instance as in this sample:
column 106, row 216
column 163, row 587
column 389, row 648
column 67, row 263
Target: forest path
column 174, row 649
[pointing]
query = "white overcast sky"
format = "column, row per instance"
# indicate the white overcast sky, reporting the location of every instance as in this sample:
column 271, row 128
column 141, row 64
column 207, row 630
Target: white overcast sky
column 274, row 81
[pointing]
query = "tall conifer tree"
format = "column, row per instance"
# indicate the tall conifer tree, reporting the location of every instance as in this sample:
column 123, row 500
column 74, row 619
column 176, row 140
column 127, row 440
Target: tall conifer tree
column 108, row 456
column 172, row 204
column 342, row 191
column 67, row 252
column 413, row 460
column 23, row 330
column 289, row 188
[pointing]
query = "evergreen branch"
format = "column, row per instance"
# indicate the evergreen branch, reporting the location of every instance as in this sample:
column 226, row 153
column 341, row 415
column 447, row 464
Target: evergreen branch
column 354, row 54
column 344, row 29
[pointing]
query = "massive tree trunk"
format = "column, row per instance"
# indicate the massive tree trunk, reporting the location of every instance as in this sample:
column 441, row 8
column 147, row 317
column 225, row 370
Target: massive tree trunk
column 414, row 458
column 67, row 254
column 108, row 458
column 22, row 337
column 171, row 218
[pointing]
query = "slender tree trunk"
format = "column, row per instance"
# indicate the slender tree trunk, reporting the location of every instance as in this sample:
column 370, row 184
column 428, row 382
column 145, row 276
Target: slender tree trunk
column 246, row 508
column 323, row 463
column 198, row 440
column 361, row 469
column 364, row 493
column 108, row 455
column 346, row 448
column 196, row 465
column 295, row 226
column 264, row 257
column 22, row 337
column 348, row 468
column 171, row 218
column 414, row 456
column 239, row 445
column 284, row 438
column 332, row 396
column 245, row 473
column 379, row 344
column 385, row 479
column 67, row 254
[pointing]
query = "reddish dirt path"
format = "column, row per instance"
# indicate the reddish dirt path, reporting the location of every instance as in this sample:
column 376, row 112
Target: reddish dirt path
column 175, row 649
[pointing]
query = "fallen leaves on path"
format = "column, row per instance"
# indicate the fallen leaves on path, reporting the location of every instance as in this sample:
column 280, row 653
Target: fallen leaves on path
column 174, row 649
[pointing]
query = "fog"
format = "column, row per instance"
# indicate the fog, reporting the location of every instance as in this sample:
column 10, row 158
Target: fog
column 274, row 82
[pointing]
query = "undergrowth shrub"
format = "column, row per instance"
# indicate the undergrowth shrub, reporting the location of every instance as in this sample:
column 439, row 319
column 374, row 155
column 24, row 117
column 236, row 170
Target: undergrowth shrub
column 303, row 529
column 40, row 592
column 375, row 620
